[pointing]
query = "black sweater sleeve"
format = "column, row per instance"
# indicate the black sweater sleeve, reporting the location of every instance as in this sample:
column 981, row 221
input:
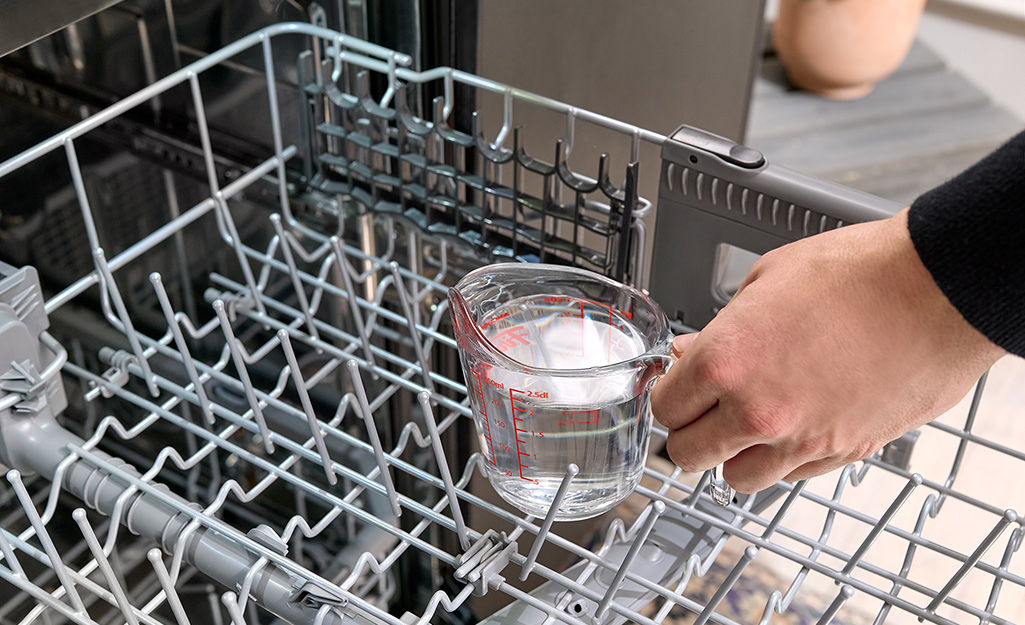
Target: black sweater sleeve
column 970, row 234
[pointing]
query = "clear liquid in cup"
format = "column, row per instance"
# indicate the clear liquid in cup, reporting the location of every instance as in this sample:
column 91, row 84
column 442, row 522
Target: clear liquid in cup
column 533, row 426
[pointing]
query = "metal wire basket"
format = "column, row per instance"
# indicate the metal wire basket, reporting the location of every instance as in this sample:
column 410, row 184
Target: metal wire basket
column 270, row 427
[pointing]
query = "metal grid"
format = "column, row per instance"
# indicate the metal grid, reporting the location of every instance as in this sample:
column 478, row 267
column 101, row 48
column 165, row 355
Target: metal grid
column 305, row 478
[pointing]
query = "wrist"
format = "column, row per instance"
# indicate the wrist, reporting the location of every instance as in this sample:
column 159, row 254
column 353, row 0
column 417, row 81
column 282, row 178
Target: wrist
column 923, row 297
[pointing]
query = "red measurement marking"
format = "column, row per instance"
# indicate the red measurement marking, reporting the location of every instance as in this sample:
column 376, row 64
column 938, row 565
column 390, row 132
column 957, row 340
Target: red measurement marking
column 582, row 344
column 608, row 331
column 574, row 421
column 509, row 338
column 517, row 430
column 487, row 422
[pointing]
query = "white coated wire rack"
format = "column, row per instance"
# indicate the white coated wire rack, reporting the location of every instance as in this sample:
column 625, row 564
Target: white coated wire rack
column 261, row 476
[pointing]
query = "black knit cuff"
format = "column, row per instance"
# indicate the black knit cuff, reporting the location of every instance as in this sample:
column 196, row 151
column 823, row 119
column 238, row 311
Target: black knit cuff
column 970, row 234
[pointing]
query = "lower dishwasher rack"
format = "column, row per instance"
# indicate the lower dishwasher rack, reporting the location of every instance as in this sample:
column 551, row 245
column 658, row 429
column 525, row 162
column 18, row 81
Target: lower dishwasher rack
column 229, row 454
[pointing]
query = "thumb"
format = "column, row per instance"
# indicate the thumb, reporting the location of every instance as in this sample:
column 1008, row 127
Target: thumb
column 682, row 342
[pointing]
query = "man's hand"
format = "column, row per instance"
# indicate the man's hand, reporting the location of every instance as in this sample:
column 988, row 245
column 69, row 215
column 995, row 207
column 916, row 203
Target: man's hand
column 832, row 347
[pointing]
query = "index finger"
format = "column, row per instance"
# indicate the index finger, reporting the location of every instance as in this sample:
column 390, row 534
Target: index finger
column 679, row 398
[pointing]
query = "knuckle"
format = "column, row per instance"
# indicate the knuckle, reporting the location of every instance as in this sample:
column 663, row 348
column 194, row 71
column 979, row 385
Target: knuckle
column 765, row 423
column 814, row 448
column 716, row 371
column 860, row 451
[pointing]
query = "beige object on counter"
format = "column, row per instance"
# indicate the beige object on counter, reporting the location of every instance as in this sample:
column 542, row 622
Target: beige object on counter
column 841, row 48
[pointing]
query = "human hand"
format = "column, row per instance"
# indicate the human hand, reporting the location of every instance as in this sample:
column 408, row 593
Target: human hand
column 833, row 346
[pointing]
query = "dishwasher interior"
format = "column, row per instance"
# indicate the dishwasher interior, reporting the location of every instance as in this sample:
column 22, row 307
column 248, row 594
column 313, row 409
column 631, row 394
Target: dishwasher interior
column 230, row 390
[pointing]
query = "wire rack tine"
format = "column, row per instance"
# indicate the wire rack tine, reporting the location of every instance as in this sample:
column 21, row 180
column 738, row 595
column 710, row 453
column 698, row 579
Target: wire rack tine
column 962, row 445
column 553, row 509
column 14, row 477
column 10, row 557
column 731, row 579
column 179, row 340
column 926, row 512
column 846, row 592
column 905, row 492
column 414, row 332
column 243, row 374
column 240, row 255
column 304, row 399
column 357, row 317
column 230, row 602
column 655, row 509
column 424, row 398
column 788, row 503
column 1009, row 516
column 111, row 290
column 293, row 272
column 127, row 611
column 173, row 600
column 1012, row 546
column 275, row 118
column 375, row 439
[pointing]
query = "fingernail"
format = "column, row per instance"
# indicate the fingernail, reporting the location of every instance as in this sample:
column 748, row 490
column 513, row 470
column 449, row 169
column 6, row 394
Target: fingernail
column 679, row 343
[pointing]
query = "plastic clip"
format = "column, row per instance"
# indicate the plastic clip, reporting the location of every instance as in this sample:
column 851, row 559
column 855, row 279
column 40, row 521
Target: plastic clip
column 484, row 560
column 117, row 375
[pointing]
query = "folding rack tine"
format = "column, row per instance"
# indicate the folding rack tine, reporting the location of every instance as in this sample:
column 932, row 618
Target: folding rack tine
column 56, row 563
column 304, row 398
column 110, row 294
column 1008, row 517
column 846, row 592
column 179, row 340
column 731, row 579
column 240, row 255
column 127, row 611
column 293, row 272
column 654, row 510
column 424, row 399
column 357, row 316
column 167, row 587
column 375, row 439
column 539, row 540
column 9, row 556
column 414, row 332
column 230, row 602
column 238, row 358
column 913, row 483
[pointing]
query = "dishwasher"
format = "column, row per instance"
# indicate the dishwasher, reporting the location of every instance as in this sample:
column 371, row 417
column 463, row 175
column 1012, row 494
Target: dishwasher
column 266, row 421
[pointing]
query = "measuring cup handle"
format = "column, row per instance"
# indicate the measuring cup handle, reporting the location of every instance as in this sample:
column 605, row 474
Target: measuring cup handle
column 722, row 493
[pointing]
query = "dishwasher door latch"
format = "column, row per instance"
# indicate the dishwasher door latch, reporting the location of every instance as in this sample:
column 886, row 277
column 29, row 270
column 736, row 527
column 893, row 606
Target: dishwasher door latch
column 484, row 560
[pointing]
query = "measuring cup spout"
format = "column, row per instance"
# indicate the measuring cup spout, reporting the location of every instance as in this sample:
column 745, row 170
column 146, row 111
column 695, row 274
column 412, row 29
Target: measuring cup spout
column 468, row 336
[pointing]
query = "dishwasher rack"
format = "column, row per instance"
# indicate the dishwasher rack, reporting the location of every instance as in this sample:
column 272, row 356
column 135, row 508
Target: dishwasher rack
column 256, row 474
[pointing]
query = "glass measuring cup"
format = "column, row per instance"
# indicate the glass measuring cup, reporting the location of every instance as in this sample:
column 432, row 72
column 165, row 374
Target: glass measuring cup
column 559, row 363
